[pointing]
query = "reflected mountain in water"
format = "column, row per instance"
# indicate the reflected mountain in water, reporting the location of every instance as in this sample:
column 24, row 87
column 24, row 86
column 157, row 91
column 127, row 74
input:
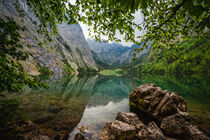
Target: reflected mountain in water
column 94, row 100
column 59, row 108
column 110, row 96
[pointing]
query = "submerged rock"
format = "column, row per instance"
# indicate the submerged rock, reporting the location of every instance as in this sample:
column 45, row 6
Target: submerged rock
column 82, row 129
column 156, row 102
column 79, row 136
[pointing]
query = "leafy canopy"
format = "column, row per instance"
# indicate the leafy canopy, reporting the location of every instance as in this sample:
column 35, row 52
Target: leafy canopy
column 163, row 19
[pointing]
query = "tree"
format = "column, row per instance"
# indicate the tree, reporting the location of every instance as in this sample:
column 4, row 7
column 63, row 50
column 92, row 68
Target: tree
column 163, row 21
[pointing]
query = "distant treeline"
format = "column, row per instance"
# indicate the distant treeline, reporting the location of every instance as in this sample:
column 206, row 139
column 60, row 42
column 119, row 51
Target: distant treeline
column 191, row 56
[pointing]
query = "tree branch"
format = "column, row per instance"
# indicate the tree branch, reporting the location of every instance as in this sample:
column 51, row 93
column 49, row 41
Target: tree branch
column 176, row 8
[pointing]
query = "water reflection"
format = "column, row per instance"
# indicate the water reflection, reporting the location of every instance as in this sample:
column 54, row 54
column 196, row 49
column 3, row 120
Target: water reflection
column 95, row 117
column 94, row 100
column 109, row 96
column 60, row 108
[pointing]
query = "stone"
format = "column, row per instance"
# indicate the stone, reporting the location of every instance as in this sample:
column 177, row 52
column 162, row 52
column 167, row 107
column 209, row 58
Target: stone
column 178, row 126
column 151, row 132
column 157, row 103
column 143, row 134
column 195, row 134
column 79, row 136
column 131, row 119
column 154, row 132
column 118, row 130
column 40, row 137
column 43, row 119
column 29, row 131
column 175, row 125
column 168, row 118
column 82, row 129
column 128, row 126
column 63, row 135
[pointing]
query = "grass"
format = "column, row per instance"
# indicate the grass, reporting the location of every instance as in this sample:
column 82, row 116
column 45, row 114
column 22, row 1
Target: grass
column 116, row 72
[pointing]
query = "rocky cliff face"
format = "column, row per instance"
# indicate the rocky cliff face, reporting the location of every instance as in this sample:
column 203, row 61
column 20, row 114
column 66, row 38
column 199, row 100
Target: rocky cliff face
column 79, row 50
column 113, row 54
column 68, row 50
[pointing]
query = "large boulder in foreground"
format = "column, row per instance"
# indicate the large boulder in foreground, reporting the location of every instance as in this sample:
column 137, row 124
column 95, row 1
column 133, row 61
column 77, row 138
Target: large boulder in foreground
column 169, row 118
column 156, row 102
column 178, row 126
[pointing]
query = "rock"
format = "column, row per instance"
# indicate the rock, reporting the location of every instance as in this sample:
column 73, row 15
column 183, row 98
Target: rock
column 151, row 132
column 128, row 126
column 43, row 119
column 143, row 134
column 79, row 136
column 195, row 134
column 154, row 132
column 167, row 109
column 70, row 44
column 62, row 135
column 27, row 130
column 175, row 125
column 131, row 119
column 178, row 126
column 118, row 130
column 82, row 129
column 40, row 137
column 154, row 101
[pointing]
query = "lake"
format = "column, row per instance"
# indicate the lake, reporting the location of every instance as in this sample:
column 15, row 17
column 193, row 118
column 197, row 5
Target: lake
column 94, row 100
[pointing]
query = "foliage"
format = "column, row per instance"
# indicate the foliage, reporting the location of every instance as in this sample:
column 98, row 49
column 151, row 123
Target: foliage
column 68, row 68
column 111, row 72
column 45, row 72
column 86, row 70
column 12, row 75
column 193, row 57
column 163, row 20
column 105, row 16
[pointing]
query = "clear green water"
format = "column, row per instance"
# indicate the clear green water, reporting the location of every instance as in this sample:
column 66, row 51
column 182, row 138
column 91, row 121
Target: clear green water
column 94, row 100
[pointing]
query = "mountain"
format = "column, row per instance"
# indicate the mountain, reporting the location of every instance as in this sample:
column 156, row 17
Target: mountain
column 68, row 52
column 113, row 54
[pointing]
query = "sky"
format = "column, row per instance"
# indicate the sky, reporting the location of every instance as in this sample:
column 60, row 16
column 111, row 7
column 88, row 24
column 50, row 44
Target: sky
column 138, row 19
